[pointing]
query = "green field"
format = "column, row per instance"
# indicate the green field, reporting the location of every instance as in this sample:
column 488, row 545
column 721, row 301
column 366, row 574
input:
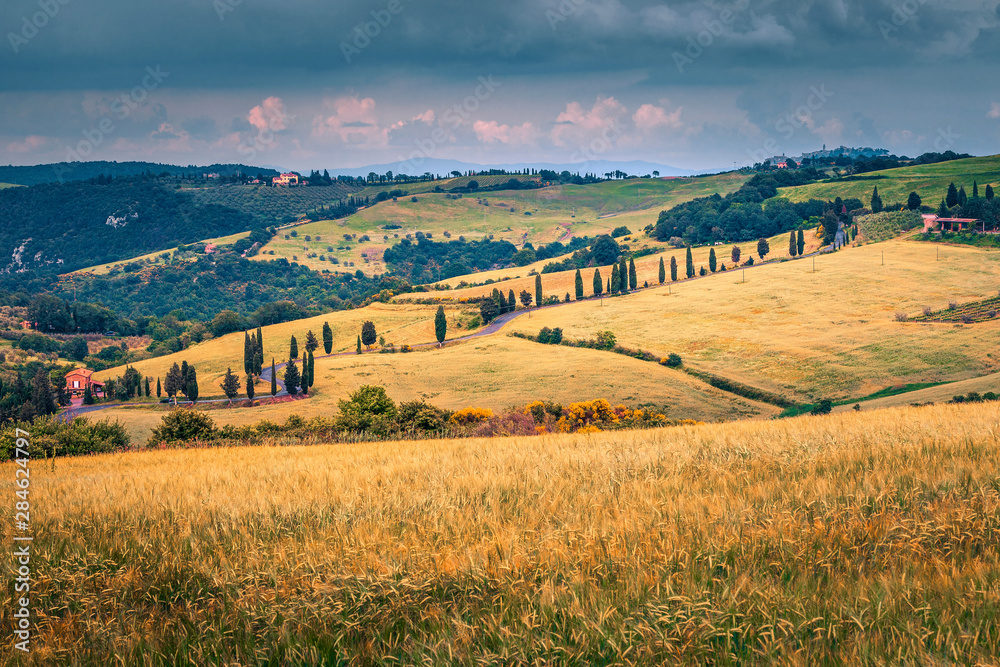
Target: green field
column 895, row 185
column 541, row 216
column 155, row 258
column 8, row 185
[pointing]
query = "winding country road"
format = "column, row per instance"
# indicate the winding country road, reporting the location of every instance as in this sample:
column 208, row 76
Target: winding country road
column 492, row 328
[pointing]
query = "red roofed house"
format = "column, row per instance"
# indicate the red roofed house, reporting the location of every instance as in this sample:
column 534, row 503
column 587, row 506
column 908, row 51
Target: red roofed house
column 79, row 379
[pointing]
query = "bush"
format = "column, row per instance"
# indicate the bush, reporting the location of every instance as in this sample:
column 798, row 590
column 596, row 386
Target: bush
column 672, row 361
column 369, row 409
column 902, row 317
column 606, row 340
column 183, row 425
column 50, row 437
column 471, row 416
column 824, row 407
column 505, row 425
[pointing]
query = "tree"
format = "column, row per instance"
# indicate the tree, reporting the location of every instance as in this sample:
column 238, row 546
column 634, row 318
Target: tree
column 248, row 354
column 251, row 389
column 526, row 298
column 368, row 334
column 42, row 402
column 633, row 280
column 690, row 263
column 310, row 363
column 876, row 201
column 975, row 189
column 735, row 256
column 311, row 343
column 673, row 269
column 605, row 250
column 598, row 285
column 260, row 345
column 800, row 241
column 440, row 325
column 88, row 396
column 962, row 197
column 578, row 284
column 914, row 202
column 952, row 198
column 367, row 409
column 274, row 379
column 292, row 377
column 713, row 262
column 231, row 384
column 192, row 385
column 763, row 247
column 511, row 301
column 989, row 192
column 943, row 211
column 78, row 349
column 359, row 344
column 185, row 372
column 488, row 310
column 181, row 425
column 793, row 248
column 623, row 275
column 538, row 289
column 327, row 337
column 147, row 388
column 663, row 272
column 616, row 280
column 159, row 389
column 175, row 381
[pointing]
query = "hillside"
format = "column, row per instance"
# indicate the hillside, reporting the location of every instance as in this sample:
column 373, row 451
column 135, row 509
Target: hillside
column 806, row 541
column 81, row 171
column 541, row 216
column 271, row 205
column 895, row 185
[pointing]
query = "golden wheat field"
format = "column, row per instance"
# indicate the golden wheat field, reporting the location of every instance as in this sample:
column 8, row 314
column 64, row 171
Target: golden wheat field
column 809, row 335
column 840, row 540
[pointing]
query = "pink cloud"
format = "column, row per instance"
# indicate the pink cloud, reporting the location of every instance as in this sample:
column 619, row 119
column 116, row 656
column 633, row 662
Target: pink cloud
column 269, row 115
column 492, row 132
column 995, row 110
column 30, row 144
column 576, row 125
column 351, row 120
column 650, row 117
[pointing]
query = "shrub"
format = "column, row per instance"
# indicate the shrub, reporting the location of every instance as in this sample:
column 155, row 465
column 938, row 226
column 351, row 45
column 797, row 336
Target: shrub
column 966, row 319
column 505, row 425
column 673, row 360
column 421, row 416
column 369, row 408
column 824, row 407
column 471, row 416
column 928, row 311
column 606, row 340
column 902, row 317
column 544, row 335
column 183, row 425
column 952, row 305
column 50, row 437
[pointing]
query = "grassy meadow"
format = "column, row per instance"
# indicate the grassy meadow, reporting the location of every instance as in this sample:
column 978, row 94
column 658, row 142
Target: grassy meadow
column 154, row 257
column 852, row 539
column 930, row 181
column 557, row 213
column 828, row 334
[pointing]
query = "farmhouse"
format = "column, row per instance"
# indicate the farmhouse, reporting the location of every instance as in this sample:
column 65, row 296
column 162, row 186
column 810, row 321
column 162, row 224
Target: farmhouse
column 957, row 224
column 289, row 180
column 79, row 379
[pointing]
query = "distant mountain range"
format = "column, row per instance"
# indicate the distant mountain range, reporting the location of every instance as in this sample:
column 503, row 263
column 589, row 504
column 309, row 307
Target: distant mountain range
column 444, row 167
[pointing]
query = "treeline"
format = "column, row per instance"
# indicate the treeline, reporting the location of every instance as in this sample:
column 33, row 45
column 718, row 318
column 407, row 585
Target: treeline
column 603, row 251
column 82, row 171
column 58, row 228
column 864, row 165
column 742, row 216
column 428, row 261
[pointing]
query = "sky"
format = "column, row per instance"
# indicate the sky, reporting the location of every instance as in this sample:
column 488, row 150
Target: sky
column 304, row 84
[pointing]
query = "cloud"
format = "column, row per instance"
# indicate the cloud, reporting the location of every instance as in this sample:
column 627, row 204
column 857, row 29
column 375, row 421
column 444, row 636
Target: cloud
column 350, row 120
column 269, row 115
column 650, row 117
column 30, row 144
column 994, row 110
column 492, row 132
column 575, row 126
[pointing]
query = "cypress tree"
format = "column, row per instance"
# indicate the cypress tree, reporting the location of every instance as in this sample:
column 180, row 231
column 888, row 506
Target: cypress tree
column 148, row 392
column 230, row 385
column 943, row 210
column 292, row 377
column 327, row 337
column 312, row 370
column 511, row 301
column 633, row 280
column 578, row 283
column 975, row 189
column 792, row 246
column 615, row 280
column 159, row 389
column 663, row 272
column 192, row 384
column 311, row 343
column 538, row 290
column 88, row 396
column 952, row 199
column 690, row 263
column 274, row 379
column 673, row 269
column 623, row 275
column 248, row 354
column 989, row 191
column 801, row 242
column 440, row 325
column 251, row 390
column 962, row 197
column 293, row 351
column 914, row 202
column 185, row 371
column 359, row 344
column 713, row 262
column 876, row 201
column 598, row 283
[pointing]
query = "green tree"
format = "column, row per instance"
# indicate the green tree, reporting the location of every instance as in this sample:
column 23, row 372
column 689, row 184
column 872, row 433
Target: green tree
column 368, row 334
column 159, row 389
column 914, row 202
column 183, row 425
column 673, row 269
column 943, row 211
column 598, row 283
column 663, row 272
column 538, row 290
column 192, row 385
column 78, row 350
column 511, row 301
column 88, row 396
column 312, row 369
column 952, row 198
column 174, row 381
column 292, row 377
column 293, row 350
column 148, row 392
column 690, row 263
column 578, row 284
column 440, row 325
column 311, row 343
column 633, row 279
column 616, row 282
column 489, row 310
column 251, row 389
column 793, row 248
column 713, row 262
column 368, row 409
column 962, row 197
column 800, row 241
column 763, row 247
column 359, row 344
column 260, row 344
column 274, row 379
column 248, row 354
column 230, row 384
column 327, row 338
column 735, row 255
column 975, row 189
column 876, row 201
column 623, row 275
column 989, row 192
column 42, row 402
